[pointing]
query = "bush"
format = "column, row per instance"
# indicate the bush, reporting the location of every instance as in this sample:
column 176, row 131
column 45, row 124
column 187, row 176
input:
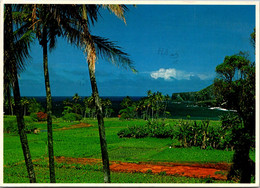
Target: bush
column 10, row 124
column 159, row 129
column 154, row 128
column 34, row 117
column 189, row 133
column 41, row 116
column 136, row 131
column 72, row 117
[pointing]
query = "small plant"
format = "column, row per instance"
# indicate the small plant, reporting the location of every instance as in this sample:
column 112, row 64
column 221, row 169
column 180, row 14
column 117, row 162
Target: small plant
column 71, row 117
column 162, row 173
column 149, row 171
column 41, row 116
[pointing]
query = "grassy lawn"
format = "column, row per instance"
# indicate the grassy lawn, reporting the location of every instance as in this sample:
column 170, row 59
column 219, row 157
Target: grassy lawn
column 84, row 142
column 92, row 174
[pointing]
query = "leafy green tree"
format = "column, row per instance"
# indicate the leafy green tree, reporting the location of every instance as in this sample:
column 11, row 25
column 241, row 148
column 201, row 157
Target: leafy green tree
column 67, row 109
column 14, row 59
column 235, row 89
column 25, row 103
column 34, row 106
column 89, row 104
column 106, row 107
column 9, row 105
column 127, row 101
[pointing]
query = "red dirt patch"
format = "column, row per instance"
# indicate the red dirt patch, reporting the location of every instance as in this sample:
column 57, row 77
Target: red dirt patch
column 209, row 170
column 80, row 125
column 71, row 160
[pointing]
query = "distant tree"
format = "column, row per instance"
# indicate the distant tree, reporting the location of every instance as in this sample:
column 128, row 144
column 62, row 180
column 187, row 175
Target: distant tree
column 128, row 112
column 25, row 103
column 90, row 107
column 235, row 89
column 76, row 98
column 67, row 102
column 106, row 107
column 67, row 109
column 127, row 101
column 34, row 106
column 9, row 106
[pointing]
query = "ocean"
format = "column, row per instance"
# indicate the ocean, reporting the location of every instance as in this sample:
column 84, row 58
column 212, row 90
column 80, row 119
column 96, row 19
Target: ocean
column 177, row 110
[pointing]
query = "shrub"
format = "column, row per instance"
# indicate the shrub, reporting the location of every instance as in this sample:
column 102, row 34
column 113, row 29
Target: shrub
column 154, row 128
column 71, row 117
column 34, row 117
column 159, row 129
column 188, row 133
column 136, row 131
column 10, row 125
column 41, row 116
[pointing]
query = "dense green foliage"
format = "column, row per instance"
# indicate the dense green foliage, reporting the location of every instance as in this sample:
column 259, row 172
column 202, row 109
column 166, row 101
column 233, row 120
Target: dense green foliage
column 71, row 117
column 205, row 96
column 235, row 89
column 156, row 128
column 190, row 133
column 151, row 107
column 10, row 124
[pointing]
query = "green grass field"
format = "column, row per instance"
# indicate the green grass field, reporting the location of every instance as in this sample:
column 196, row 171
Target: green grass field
column 84, row 142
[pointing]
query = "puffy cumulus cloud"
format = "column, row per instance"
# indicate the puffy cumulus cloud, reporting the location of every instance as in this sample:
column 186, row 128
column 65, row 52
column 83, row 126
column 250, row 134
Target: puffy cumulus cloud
column 169, row 74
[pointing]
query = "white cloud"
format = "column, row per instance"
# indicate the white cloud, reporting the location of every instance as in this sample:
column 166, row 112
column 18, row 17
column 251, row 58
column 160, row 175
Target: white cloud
column 169, row 74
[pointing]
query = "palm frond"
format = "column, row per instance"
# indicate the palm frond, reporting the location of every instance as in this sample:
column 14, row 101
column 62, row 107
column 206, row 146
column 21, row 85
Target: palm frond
column 112, row 53
column 22, row 48
column 118, row 10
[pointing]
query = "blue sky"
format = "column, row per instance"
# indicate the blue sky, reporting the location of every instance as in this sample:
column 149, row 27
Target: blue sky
column 175, row 48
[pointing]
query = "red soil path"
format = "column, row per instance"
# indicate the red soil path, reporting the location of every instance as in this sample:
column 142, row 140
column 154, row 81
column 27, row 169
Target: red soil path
column 80, row 125
column 209, row 170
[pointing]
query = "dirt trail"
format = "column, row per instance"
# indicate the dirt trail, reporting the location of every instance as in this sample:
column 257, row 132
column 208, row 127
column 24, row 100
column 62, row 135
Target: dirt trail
column 209, row 170
column 80, row 125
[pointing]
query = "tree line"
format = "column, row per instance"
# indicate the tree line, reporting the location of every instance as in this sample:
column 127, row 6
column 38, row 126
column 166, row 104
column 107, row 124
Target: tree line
column 204, row 96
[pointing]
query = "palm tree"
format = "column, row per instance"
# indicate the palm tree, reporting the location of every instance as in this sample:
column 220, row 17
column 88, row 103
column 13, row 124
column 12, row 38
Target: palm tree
column 47, row 29
column 76, row 98
column 14, row 62
column 24, row 102
column 93, row 46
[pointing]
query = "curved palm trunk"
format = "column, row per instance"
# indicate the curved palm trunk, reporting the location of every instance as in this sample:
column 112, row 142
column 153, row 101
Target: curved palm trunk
column 101, row 126
column 49, row 107
column 9, row 58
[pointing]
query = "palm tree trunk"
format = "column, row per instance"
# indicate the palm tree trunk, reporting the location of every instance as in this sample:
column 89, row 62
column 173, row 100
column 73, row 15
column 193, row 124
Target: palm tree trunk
column 101, row 126
column 49, row 107
column 9, row 58
column 21, row 131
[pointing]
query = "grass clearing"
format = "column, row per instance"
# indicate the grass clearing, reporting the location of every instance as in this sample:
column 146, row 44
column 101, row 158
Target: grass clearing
column 84, row 143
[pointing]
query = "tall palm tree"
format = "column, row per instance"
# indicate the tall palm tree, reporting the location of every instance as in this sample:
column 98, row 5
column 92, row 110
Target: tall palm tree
column 13, row 62
column 94, row 46
column 47, row 29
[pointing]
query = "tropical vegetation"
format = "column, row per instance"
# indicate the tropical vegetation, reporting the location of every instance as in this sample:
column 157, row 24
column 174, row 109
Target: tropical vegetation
column 232, row 139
